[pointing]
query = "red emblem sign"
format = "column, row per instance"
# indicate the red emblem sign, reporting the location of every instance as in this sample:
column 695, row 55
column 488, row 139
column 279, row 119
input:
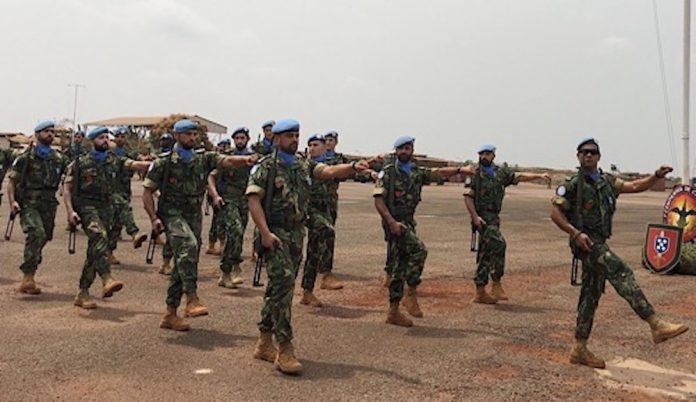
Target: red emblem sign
column 662, row 247
column 680, row 210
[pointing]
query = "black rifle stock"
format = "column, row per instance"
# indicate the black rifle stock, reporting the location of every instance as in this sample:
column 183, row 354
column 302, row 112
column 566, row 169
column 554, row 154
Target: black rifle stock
column 475, row 236
column 267, row 204
column 151, row 246
column 10, row 225
column 72, row 237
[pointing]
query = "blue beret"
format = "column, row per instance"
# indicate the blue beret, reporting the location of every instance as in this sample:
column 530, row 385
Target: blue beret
column 121, row 130
column 97, row 132
column 269, row 123
column 166, row 136
column 401, row 141
column 287, row 125
column 586, row 141
column 316, row 137
column 224, row 141
column 184, row 125
column 331, row 134
column 44, row 125
column 487, row 148
column 242, row 130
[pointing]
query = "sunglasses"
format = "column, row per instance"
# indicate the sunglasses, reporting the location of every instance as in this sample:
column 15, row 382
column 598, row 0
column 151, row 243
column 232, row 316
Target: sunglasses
column 588, row 152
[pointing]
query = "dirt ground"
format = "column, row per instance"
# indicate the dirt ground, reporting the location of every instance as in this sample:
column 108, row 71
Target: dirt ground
column 516, row 350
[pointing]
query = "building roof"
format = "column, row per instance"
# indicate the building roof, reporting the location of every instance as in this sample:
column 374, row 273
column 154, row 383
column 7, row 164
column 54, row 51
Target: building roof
column 149, row 121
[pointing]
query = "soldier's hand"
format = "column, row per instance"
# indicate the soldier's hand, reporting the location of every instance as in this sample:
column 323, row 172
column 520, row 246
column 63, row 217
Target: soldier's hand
column 663, row 171
column 157, row 226
column 361, row 166
column 252, row 159
column 397, row 228
column 478, row 222
column 74, row 219
column 374, row 175
column 16, row 208
column 218, row 202
column 271, row 241
column 584, row 242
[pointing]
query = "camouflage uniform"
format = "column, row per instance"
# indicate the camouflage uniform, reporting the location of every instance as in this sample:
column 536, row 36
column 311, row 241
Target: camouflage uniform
column 216, row 231
column 321, row 234
column 286, row 221
column 601, row 264
column 234, row 215
column 335, row 159
column 263, row 147
column 389, row 262
column 123, row 212
column 36, row 182
column 74, row 151
column 179, row 208
column 94, row 195
column 408, row 251
column 6, row 158
column 488, row 193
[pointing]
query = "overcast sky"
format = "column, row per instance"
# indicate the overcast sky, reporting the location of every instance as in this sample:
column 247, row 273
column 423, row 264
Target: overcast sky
column 532, row 77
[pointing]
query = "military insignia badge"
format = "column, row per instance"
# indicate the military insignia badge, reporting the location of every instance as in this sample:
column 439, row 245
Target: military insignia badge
column 561, row 191
column 662, row 247
column 381, row 174
column 680, row 210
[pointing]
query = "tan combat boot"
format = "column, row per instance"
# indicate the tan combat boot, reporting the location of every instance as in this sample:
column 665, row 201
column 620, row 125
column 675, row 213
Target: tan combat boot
column 172, row 321
column 111, row 286
column 194, row 308
column 308, row 299
column 165, row 268
column 497, row 291
column 139, row 239
column 387, row 279
column 330, row 282
column 212, row 250
column 410, row 303
column 237, row 274
column 395, row 317
column 28, row 285
column 483, row 297
column 113, row 260
column 286, row 361
column 265, row 350
column 663, row 330
column 582, row 355
column 84, row 300
column 225, row 281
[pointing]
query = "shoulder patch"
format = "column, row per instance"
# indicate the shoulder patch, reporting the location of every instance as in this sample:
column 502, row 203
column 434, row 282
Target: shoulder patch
column 467, row 181
column 381, row 174
column 561, row 191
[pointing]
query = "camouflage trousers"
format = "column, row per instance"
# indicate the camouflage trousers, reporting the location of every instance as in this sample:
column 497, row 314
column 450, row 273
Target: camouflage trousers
column 598, row 266
column 38, row 222
column 409, row 254
column 167, row 252
column 123, row 217
column 234, row 217
column 389, row 262
column 333, row 210
column 282, row 265
column 491, row 257
column 184, row 237
column 217, row 231
column 320, row 240
column 96, row 222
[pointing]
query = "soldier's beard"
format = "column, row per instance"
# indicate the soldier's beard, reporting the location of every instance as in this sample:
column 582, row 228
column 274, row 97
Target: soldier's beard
column 47, row 140
column 485, row 162
column 404, row 158
column 240, row 147
column 101, row 148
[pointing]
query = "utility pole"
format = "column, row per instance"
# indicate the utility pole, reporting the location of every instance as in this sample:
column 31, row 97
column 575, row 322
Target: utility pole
column 686, row 172
column 74, row 118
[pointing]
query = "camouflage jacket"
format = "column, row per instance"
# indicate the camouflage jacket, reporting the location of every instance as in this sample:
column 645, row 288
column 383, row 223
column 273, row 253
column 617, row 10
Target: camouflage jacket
column 185, row 184
column 231, row 182
column 123, row 184
column 95, row 183
column 6, row 158
column 291, row 189
column 75, row 150
column 262, row 148
column 488, row 192
column 37, row 179
column 405, row 189
column 332, row 185
column 597, row 205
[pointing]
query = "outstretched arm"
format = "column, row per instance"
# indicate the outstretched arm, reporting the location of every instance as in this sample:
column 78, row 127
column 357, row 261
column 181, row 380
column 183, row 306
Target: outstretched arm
column 239, row 160
column 528, row 176
column 640, row 185
column 343, row 170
